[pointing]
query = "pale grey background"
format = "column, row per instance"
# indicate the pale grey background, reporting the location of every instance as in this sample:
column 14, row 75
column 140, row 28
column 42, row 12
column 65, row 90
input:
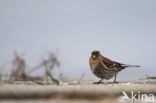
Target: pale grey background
column 123, row 30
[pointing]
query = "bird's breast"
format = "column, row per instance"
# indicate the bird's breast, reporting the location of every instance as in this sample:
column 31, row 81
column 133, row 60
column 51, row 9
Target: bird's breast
column 93, row 63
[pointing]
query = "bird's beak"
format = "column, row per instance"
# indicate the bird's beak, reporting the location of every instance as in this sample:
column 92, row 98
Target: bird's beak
column 94, row 56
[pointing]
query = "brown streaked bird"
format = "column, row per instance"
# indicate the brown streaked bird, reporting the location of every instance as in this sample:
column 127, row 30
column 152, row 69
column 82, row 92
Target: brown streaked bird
column 105, row 68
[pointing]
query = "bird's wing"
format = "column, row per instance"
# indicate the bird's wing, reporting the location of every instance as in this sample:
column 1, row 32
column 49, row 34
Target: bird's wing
column 107, row 61
column 111, row 64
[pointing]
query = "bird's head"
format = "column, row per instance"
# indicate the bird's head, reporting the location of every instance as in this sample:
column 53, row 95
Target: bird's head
column 95, row 54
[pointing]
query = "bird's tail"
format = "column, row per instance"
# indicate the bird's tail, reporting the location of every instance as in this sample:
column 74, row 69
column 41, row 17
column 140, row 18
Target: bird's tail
column 127, row 66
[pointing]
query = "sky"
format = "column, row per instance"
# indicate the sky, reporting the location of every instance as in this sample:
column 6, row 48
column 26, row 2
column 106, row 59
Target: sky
column 122, row 30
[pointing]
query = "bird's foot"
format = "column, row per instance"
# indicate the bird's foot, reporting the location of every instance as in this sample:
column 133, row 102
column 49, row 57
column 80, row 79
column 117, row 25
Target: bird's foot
column 115, row 82
column 97, row 82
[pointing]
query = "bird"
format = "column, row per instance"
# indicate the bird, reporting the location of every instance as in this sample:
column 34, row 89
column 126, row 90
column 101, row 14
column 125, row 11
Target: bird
column 105, row 68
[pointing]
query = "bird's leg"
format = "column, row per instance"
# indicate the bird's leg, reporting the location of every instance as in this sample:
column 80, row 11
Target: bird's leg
column 100, row 81
column 115, row 79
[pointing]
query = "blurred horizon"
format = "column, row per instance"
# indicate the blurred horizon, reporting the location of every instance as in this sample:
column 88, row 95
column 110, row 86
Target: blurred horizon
column 123, row 31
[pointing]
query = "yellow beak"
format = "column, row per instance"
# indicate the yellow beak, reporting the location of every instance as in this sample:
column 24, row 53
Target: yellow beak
column 94, row 56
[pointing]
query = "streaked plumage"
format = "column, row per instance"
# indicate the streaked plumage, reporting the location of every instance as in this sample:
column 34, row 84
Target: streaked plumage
column 105, row 68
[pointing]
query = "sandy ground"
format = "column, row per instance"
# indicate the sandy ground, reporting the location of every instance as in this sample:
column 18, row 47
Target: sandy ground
column 75, row 92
